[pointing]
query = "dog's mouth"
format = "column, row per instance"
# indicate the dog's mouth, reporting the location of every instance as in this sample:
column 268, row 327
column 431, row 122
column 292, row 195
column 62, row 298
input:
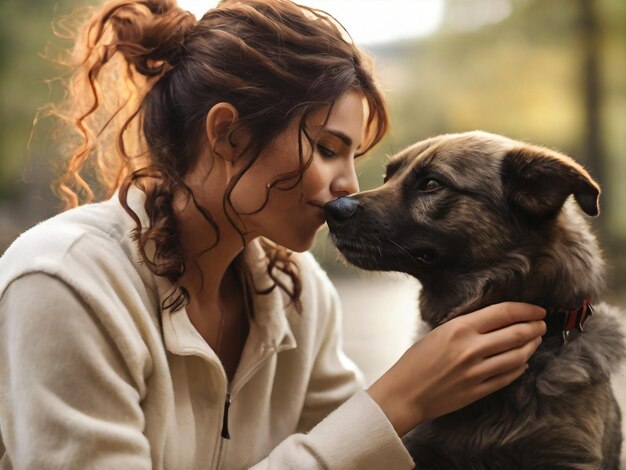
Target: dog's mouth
column 385, row 254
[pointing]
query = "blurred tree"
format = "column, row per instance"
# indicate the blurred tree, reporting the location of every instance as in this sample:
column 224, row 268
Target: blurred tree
column 593, row 147
column 25, row 176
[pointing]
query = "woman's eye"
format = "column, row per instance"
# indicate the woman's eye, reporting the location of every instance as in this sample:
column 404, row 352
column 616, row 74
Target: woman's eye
column 429, row 185
column 325, row 152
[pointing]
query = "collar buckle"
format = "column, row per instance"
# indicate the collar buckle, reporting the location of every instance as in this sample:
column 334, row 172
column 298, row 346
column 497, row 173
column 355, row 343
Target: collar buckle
column 565, row 336
column 561, row 321
column 586, row 312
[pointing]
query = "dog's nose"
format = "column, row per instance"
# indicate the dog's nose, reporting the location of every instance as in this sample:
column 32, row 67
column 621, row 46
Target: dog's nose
column 340, row 209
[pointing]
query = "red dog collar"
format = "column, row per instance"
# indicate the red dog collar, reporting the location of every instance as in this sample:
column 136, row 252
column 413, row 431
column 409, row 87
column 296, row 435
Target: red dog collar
column 561, row 321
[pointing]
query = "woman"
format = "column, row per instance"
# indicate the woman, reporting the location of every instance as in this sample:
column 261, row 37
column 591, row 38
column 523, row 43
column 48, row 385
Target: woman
column 170, row 325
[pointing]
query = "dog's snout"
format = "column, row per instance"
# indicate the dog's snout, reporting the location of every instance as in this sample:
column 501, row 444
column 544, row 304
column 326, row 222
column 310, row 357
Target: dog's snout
column 340, row 209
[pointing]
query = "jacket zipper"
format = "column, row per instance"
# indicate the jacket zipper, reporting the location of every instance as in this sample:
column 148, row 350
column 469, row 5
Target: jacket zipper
column 225, row 433
column 229, row 395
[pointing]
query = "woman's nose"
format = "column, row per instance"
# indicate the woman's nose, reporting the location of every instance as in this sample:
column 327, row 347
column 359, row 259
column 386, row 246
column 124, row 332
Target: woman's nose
column 345, row 182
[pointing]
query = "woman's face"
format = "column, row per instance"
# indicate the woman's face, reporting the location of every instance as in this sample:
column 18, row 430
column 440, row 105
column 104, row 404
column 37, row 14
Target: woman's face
column 292, row 216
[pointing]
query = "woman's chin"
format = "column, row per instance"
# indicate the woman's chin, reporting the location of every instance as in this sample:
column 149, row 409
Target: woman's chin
column 300, row 243
column 300, row 246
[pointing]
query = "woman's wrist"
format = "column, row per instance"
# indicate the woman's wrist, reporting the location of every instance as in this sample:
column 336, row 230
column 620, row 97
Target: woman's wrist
column 401, row 413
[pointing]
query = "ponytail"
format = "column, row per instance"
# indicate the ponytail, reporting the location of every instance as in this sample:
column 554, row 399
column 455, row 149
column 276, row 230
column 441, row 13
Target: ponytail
column 119, row 54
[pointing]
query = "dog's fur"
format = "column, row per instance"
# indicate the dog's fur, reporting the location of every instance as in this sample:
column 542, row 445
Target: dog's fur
column 500, row 227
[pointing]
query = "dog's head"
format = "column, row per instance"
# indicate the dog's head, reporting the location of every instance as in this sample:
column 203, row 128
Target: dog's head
column 456, row 205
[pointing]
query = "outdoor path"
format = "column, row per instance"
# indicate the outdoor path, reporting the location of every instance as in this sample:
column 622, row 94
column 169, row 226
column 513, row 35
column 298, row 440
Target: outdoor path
column 379, row 319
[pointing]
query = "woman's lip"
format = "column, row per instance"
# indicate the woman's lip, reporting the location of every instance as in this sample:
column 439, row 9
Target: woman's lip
column 320, row 209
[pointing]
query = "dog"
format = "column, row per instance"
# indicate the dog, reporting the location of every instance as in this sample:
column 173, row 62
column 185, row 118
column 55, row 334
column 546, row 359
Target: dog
column 479, row 219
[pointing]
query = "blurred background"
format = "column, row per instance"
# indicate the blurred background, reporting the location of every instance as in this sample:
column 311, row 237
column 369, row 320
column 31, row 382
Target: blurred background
column 552, row 73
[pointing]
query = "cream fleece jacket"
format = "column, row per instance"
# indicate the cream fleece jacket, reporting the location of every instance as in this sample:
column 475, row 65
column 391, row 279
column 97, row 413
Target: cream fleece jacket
column 94, row 375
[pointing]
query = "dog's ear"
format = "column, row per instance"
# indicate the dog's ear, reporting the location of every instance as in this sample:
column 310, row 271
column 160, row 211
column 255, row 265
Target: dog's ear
column 539, row 180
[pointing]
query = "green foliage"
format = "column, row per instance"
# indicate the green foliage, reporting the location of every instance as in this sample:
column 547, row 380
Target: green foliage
column 25, row 37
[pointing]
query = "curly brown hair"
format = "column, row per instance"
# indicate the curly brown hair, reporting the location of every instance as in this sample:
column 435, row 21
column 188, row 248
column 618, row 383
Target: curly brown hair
column 145, row 75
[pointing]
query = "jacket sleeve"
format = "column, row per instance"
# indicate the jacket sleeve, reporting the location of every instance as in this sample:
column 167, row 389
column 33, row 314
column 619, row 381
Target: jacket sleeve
column 356, row 436
column 342, row 427
column 51, row 416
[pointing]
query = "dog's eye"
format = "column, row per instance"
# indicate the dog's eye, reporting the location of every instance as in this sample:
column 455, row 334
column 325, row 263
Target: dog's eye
column 429, row 185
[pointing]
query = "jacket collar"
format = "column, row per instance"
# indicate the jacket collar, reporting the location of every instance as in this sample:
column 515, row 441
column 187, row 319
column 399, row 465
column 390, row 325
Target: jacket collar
column 270, row 326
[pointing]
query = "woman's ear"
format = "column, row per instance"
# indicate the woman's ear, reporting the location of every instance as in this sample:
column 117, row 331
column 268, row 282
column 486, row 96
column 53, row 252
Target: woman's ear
column 220, row 122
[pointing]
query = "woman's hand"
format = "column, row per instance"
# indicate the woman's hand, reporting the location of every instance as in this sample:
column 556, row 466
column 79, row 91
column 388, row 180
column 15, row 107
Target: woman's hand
column 459, row 362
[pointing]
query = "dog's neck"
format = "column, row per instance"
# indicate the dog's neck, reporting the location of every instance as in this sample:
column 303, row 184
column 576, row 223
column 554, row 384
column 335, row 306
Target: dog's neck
column 557, row 270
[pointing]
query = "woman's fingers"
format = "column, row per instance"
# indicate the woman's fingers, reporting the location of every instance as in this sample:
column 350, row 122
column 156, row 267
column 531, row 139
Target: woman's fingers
column 506, row 361
column 503, row 314
column 459, row 362
column 511, row 337
column 498, row 381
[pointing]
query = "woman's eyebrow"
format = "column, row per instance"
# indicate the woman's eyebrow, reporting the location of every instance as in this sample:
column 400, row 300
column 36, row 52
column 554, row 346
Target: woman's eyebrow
column 343, row 137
